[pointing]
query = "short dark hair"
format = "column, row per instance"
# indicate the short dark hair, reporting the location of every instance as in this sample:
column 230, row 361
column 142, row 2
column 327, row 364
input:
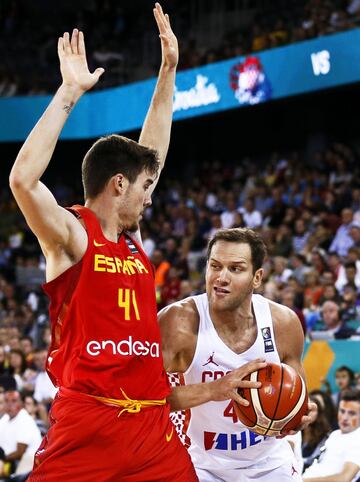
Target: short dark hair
column 350, row 395
column 112, row 154
column 348, row 370
column 242, row 235
column 350, row 264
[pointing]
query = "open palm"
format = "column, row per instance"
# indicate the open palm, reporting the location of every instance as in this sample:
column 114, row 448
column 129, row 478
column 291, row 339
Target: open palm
column 169, row 43
column 73, row 65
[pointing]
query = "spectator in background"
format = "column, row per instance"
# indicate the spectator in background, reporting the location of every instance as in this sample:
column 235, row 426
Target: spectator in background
column 315, row 435
column 3, row 415
column 348, row 275
column 325, row 400
column 281, row 272
column 38, row 412
column 27, row 347
column 340, row 458
column 312, row 289
column 283, row 241
column 252, row 218
column 298, row 263
column 19, row 436
column 161, row 267
column 17, row 363
column 343, row 241
column 344, row 379
column 333, row 325
column 301, row 236
column 44, row 390
column 228, row 216
column 350, row 309
column 355, row 233
column 288, row 299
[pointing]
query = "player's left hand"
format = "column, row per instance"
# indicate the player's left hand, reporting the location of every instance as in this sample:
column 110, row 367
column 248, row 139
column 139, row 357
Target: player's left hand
column 169, row 43
column 306, row 420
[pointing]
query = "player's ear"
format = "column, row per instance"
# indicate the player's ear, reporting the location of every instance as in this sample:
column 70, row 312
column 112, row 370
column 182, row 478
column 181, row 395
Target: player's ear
column 118, row 182
column 258, row 276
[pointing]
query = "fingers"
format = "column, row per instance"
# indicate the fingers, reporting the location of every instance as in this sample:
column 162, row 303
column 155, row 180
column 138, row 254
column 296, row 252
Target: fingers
column 60, row 47
column 248, row 384
column 74, row 41
column 160, row 18
column 251, row 367
column 241, row 401
column 81, row 44
column 74, row 45
column 98, row 73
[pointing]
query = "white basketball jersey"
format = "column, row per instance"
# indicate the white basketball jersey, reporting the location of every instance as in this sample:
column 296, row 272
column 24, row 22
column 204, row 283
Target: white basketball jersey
column 218, row 441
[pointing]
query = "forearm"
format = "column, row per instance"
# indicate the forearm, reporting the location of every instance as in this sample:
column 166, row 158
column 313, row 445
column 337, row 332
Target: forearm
column 14, row 456
column 189, row 396
column 38, row 148
column 328, row 478
column 157, row 125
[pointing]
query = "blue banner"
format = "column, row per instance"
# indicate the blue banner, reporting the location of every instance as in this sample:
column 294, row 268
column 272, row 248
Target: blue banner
column 295, row 69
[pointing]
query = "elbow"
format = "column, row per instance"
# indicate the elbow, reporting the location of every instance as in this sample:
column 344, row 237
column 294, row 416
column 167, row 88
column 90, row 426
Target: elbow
column 19, row 179
column 15, row 181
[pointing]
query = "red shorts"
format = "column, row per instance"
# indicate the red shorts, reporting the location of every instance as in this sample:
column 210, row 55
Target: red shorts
column 87, row 441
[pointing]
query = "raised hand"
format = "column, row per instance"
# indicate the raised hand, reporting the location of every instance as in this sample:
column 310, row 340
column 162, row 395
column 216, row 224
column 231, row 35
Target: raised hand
column 73, row 65
column 169, row 43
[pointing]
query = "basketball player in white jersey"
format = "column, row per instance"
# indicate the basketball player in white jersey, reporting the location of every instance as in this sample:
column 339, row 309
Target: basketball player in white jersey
column 207, row 336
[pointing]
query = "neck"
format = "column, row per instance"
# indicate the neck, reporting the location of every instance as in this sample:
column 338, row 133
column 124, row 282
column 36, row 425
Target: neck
column 241, row 317
column 107, row 215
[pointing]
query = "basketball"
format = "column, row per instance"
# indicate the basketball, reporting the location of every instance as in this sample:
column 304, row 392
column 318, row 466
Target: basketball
column 278, row 404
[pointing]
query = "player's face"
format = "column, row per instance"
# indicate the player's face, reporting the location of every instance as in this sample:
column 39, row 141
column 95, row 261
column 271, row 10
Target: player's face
column 229, row 275
column 349, row 416
column 136, row 198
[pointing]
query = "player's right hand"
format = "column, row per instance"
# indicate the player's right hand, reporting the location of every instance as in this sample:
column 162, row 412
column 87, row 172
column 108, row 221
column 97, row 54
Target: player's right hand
column 226, row 388
column 73, row 65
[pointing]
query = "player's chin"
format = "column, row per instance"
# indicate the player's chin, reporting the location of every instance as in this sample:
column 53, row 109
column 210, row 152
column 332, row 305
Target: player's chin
column 133, row 227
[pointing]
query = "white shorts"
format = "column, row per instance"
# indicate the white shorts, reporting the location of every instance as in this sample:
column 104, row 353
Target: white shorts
column 287, row 472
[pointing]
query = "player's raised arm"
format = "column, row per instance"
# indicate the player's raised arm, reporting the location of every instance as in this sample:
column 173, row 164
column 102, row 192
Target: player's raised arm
column 157, row 125
column 52, row 224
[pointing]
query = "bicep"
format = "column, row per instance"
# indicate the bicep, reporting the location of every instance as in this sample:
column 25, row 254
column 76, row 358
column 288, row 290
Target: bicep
column 168, row 336
column 290, row 337
column 178, row 341
column 49, row 222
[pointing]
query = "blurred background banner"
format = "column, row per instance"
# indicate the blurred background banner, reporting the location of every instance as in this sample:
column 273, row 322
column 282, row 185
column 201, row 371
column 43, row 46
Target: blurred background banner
column 308, row 66
column 323, row 358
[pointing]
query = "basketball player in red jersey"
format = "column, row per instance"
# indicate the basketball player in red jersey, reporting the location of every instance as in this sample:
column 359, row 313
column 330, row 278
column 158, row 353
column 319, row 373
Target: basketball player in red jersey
column 209, row 338
column 110, row 420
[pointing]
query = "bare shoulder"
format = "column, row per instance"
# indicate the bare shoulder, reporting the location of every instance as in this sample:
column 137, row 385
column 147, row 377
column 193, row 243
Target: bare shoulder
column 180, row 316
column 282, row 315
column 179, row 324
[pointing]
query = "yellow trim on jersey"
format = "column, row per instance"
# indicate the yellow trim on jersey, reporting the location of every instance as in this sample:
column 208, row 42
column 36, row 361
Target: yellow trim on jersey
column 130, row 406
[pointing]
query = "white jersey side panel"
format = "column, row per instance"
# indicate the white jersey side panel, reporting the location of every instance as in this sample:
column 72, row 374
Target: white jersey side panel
column 218, row 440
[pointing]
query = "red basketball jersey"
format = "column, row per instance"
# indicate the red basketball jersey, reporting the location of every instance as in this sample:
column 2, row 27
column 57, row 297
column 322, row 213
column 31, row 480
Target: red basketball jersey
column 105, row 335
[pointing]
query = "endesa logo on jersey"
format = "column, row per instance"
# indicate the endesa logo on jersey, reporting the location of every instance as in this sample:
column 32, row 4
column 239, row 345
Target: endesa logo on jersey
column 127, row 347
column 231, row 441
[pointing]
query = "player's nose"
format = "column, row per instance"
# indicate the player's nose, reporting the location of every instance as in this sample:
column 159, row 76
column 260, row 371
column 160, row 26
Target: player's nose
column 223, row 278
column 148, row 202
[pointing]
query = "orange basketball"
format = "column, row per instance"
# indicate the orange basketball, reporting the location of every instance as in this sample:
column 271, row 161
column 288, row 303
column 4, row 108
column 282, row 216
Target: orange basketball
column 278, row 405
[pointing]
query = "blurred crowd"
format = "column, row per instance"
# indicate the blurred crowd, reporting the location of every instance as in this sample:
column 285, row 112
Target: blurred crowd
column 28, row 52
